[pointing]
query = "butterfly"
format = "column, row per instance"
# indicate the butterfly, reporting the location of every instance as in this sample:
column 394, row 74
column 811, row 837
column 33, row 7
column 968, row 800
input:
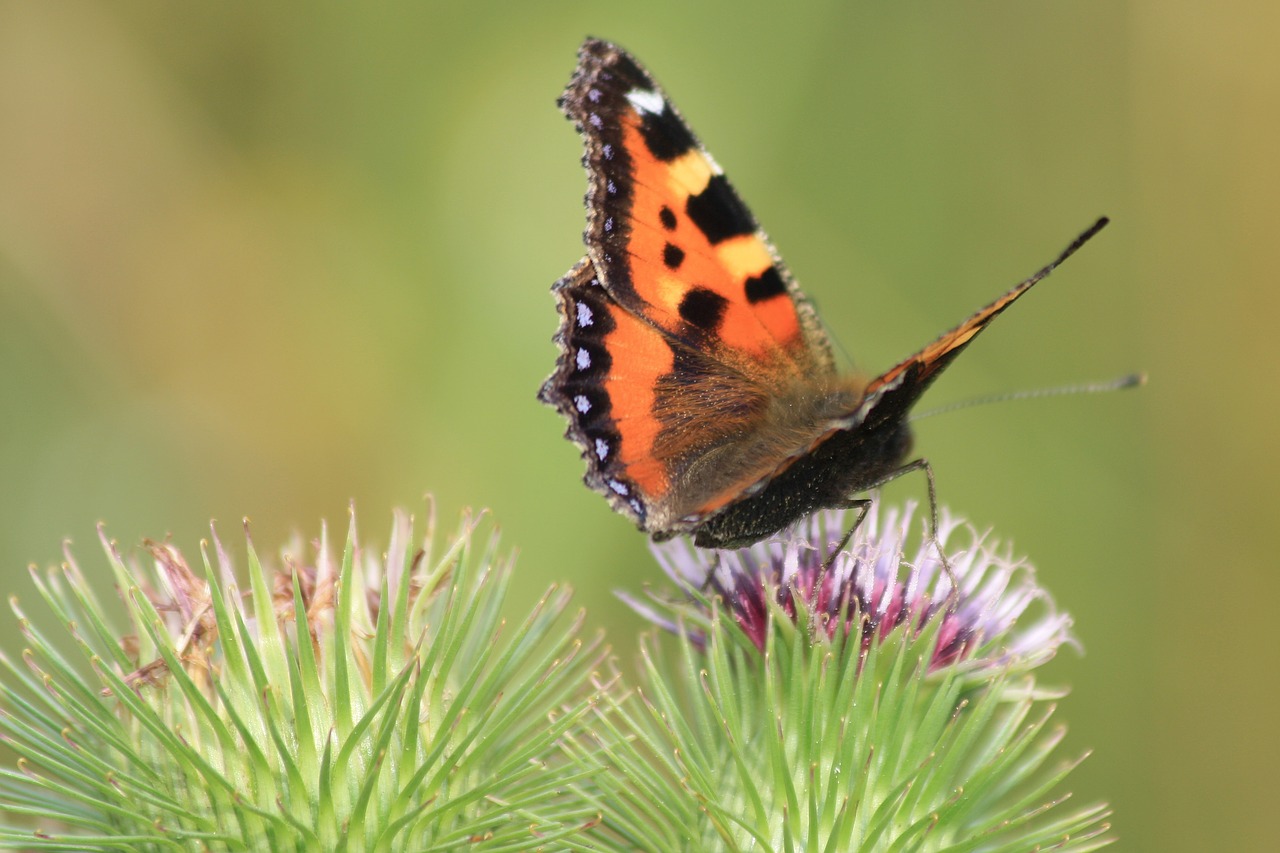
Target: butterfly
column 694, row 374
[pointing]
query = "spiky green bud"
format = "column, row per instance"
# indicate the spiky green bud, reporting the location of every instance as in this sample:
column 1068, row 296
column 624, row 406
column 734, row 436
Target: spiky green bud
column 362, row 703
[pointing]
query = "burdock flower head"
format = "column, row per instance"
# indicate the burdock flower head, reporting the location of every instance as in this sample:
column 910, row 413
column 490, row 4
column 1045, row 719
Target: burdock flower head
column 870, row 587
column 850, row 698
column 365, row 700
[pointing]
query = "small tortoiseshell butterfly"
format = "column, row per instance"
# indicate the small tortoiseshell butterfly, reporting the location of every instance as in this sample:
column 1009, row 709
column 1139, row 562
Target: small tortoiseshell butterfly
column 694, row 373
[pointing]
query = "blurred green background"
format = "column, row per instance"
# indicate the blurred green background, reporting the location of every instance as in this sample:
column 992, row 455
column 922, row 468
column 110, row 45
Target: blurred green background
column 264, row 260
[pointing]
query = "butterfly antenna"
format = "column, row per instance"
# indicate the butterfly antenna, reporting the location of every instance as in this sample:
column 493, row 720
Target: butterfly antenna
column 1132, row 380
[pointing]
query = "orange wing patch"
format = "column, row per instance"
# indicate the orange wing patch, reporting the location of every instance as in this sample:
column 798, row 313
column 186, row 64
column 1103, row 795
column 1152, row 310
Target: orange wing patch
column 639, row 358
column 670, row 257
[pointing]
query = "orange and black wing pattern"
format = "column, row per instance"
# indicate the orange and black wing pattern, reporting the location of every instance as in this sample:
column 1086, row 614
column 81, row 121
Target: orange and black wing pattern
column 669, row 236
column 682, row 332
column 693, row 372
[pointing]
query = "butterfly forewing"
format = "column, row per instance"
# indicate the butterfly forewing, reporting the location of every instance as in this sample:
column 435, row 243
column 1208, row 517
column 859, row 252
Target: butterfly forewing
column 670, row 237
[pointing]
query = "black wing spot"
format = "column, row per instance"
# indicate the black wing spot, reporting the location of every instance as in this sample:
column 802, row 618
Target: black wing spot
column 718, row 212
column 667, row 218
column 672, row 256
column 765, row 286
column 703, row 308
column 665, row 135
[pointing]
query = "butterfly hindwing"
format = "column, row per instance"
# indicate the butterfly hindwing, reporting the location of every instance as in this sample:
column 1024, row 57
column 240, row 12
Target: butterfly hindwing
column 658, row 422
column 593, row 329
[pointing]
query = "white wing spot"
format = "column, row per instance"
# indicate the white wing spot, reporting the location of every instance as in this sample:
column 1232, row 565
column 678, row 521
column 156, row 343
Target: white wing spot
column 582, row 404
column 602, row 449
column 635, row 504
column 584, row 314
column 619, row 487
column 594, row 96
column 646, row 102
column 584, row 359
column 595, row 121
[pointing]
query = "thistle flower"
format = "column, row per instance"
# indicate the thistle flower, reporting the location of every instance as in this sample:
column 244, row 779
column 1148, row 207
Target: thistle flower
column 873, row 583
column 861, row 706
column 357, row 703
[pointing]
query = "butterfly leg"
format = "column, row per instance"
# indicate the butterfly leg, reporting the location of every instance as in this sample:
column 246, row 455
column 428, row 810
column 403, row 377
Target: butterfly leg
column 863, row 506
column 920, row 464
